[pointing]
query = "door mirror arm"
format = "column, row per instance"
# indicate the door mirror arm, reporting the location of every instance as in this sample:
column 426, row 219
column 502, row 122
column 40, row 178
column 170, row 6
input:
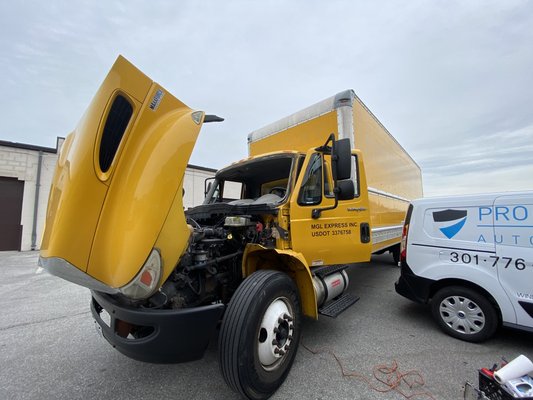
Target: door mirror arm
column 340, row 159
column 315, row 214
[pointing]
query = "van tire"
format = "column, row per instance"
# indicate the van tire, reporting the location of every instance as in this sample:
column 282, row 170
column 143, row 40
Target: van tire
column 262, row 318
column 464, row 313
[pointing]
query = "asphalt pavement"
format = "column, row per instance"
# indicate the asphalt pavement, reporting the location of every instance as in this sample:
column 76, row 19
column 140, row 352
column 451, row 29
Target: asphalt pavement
column 50, row 348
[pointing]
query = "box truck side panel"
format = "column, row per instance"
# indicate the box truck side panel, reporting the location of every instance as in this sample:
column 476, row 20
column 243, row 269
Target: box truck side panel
column 387, row 215
column 388, row 166
column 299, row 137
column 392, row 176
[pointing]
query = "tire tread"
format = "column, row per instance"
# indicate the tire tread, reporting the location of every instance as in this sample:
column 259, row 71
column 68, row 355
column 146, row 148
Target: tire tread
column 236, row 312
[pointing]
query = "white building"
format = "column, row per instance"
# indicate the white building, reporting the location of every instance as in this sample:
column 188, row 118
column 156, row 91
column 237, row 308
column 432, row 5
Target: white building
column 26, row 173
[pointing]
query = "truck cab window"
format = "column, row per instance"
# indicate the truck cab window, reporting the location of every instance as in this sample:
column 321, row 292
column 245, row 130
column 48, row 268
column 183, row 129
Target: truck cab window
column 216, row 194
column 277, row 187
column 224, row 191
column 311, row 191
column 355, row 177
column 233, row 190
column 328, row 177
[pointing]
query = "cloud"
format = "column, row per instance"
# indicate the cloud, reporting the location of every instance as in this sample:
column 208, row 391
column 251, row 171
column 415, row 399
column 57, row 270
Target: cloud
column 450, row 80
column 497, row 162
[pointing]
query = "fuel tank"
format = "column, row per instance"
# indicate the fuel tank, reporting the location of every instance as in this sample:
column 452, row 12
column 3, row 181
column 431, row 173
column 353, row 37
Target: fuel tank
column 117, row 190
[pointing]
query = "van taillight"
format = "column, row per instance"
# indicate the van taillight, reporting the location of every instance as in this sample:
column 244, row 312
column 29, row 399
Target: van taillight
column 405, row 232
column 403, row 243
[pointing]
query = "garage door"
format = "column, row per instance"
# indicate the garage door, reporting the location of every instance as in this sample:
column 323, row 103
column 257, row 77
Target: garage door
column 11, row 191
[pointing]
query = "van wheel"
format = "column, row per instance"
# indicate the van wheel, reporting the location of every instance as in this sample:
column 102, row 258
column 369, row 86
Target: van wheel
column 260, row 334
column 464, row 313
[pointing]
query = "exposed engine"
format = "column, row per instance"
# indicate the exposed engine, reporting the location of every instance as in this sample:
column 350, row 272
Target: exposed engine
column 211, row 268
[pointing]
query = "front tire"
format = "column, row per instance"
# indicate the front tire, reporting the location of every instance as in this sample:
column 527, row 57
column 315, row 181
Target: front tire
column 260, row 334
column 464, row 313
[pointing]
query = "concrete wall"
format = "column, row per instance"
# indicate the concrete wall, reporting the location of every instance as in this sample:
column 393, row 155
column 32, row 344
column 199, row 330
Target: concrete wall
column 194, row 185
column 21, row 161
column 22, row 164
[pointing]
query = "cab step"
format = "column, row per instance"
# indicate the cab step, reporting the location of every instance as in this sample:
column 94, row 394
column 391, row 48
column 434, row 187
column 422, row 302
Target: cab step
column 328, row 270
column 337, row 306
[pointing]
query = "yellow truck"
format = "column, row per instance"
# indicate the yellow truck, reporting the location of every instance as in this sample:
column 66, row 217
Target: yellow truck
column 269, row 245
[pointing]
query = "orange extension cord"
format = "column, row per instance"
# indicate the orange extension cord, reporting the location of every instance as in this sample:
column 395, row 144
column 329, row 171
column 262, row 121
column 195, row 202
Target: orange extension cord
column 390, row 376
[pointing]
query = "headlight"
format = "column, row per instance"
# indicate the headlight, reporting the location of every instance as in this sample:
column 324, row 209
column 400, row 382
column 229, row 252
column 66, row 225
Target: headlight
column 147, row 280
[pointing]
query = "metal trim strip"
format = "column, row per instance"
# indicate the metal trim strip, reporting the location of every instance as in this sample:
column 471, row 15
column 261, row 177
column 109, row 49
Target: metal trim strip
column 386, row 194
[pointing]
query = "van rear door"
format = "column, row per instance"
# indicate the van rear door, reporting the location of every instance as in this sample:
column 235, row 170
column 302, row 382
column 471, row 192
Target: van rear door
column 513, row 236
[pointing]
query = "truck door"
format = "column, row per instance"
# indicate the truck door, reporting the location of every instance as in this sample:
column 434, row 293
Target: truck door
column 513, row 236
column 340, row 235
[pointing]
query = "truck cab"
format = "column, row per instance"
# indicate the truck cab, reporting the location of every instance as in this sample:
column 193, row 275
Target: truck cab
column 291, row 187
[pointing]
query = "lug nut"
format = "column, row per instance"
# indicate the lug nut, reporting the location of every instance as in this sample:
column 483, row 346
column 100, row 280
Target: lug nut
column 287, row 317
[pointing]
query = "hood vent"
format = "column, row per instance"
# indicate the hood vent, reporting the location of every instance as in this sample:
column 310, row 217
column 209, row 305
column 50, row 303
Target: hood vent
column 117, row 121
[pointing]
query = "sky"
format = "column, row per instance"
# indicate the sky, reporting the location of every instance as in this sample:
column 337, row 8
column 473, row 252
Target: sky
column 451, row 80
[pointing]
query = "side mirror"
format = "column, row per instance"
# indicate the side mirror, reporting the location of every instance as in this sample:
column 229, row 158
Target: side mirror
column 208, row 182
column 341, row 154
column 345, row 189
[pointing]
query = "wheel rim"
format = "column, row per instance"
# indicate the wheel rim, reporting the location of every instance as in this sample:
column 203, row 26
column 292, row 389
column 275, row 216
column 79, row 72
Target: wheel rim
column 462, row 315
column 275, row 333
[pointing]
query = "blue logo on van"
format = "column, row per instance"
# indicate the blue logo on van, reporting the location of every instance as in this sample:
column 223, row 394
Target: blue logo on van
column 457, row 218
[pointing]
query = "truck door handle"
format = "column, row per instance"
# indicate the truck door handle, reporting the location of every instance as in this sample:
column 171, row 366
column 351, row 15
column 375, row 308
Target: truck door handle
column 365, row 232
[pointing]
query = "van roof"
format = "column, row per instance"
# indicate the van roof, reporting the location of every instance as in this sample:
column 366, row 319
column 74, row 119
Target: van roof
column 484, row 197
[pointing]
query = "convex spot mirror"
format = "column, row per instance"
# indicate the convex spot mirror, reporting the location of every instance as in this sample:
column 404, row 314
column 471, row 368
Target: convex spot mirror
column 342, row 157
column 345, row 189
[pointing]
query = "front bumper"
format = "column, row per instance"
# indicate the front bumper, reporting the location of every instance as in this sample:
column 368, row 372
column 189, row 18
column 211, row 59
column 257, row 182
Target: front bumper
column 168, row 336
column 412, row 286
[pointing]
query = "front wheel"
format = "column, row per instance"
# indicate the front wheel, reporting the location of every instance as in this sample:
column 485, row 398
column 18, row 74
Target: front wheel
column 464, row 313
column 260, row 334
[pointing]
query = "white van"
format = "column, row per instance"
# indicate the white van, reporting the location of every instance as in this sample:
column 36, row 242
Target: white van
column 471, row 259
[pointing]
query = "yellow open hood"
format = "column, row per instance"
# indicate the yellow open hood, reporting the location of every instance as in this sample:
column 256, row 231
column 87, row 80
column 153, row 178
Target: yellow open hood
column 117, row 188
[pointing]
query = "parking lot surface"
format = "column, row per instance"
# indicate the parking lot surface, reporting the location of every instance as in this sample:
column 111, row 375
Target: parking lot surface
column 50, row 348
